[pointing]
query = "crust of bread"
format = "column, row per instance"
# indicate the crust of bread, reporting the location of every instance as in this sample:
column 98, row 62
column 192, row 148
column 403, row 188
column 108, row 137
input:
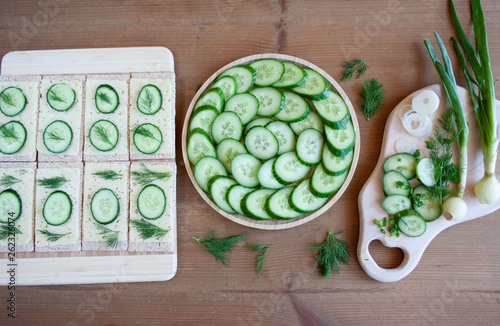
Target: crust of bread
column 102, row 246
column 124, row 76
column 17, row 78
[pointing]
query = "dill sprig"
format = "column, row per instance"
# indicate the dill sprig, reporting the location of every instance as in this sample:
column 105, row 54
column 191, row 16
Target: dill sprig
column 6, row 97
column 261, row 255
column 148, row 230
column 6, row 230
column 108, row 175
column 102, row 133
column 8, row 180
column 109, row 235
column 219, row 247
column 54, row 97
column 147, row 175
column 330, row 254
column 144, row 131
column 147, row 101
column 372, row 94
column 52, row 237
column 8, row 131
column 440, row 147
column 53, row 135
column 355, row 66
column 52, row 183
column 103, row 97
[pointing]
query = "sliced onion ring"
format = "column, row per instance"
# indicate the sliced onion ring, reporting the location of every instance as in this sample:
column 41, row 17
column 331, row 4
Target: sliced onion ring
column 405, row 145
column 426, row 101
column 405, row 108
column 417, row 124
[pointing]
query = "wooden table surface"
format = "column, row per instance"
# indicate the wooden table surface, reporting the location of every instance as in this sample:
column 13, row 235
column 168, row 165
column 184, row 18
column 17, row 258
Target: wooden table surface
column 456, row 282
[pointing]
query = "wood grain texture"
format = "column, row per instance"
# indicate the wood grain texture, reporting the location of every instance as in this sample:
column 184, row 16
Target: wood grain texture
column 457, row 279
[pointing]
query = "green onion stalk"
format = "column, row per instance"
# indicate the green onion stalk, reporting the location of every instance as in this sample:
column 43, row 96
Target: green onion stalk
column 487, row 189
column 454, row 208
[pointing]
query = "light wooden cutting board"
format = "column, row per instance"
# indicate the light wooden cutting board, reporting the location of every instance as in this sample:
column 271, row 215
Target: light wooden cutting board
column 90, row 267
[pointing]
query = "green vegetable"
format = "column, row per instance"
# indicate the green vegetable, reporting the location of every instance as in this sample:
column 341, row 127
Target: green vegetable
column 52, row 183
column 219, row 247
column 352, row 67
column 330, row 254
column 372, row 94
column 8, row 131
column 147, row 175
column 148, row 230
column 8, row 181
column 145, row 132
column 110, row 236
column 52, row 237
column 261, row 251
column 6, row 230
column 108, row 175
column 487, row 189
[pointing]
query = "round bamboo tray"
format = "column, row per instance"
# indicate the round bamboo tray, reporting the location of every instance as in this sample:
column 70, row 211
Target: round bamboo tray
column 271, row 224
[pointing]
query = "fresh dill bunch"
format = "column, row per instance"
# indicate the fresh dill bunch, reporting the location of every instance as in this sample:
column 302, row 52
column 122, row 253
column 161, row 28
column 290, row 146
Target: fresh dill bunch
column 146, row 175
column 6, row 97
column 218, row 247
column 108, row 175
column 330, row 254
column 109, row 235
column 53, row 135
column 52, row 237
column 144, row 131
column 54, row 97
column 372, row 94
column 52, row 183
column 102, row 133
column 147, row 102
column 103, row 97
column 8, row 181
column 352, row 67
column 440, row 147
column 6, row 230
column 8, row 131
column 261, row 255
column 148, row 230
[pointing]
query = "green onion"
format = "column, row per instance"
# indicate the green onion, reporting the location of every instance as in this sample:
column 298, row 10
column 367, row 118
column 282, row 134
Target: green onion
column 487, row 189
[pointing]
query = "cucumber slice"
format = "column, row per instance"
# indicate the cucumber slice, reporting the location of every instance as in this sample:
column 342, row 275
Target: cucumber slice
column 333, row 110
column 104, row 135
column 205, row 169
column 309, row 147
column 245, row 105
column 104, row 206
column 278, row 205
column 106, row 99
column 395, row 183
column 61, row 97
column 324, row 185
column 12, row 137
column 393, row 204
column 199, row 146
column 287, row 168
column 426, row 204
column 294, row 76
column 340, row 141
column 411, row 223
column 149, row 100
column 253, row 204
column 271, row 100
column 315, row 87
column 147, row 138
column 269, row 71
column 302, row 199
column 245, row 170
column 151, row 202
column 425, row 172
column 266, row 176
column 333, row 164
column 214, row 97
column 244, row 75
column 261, row 143
column 218, row 187
column 10, row 206
column 203, row 118
column 261, row 121
column 227, row 125
column 57, row 208
column 284, row 135
column 235, row 194
column 312, row 121
column 12, row 101
column 57, row 136
column 227, row 85
column 295, row 109
column 227, row 150
column 402, row 162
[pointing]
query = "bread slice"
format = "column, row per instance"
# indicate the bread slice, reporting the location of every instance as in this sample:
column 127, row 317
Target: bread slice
column 25, row 188
column 72, row 171
column 166, row 222
column 73, row 117
column 92, row 239
column 30, row 85
column 119, row 117
column 164, row 119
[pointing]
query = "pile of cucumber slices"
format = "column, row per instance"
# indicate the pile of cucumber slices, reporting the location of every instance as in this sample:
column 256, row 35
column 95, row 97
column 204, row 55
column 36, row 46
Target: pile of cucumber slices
column 270, row 139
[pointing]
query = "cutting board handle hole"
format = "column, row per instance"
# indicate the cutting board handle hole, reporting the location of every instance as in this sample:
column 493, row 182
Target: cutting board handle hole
column 386, row 257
